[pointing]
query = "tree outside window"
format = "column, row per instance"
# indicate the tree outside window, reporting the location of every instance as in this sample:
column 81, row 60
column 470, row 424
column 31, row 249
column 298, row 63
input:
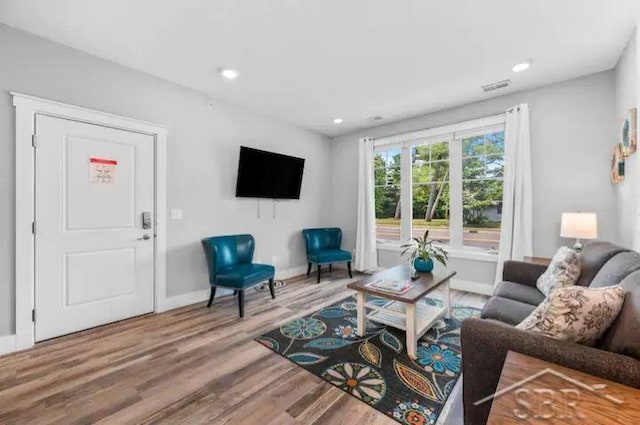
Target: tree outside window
column 482, row 175
column 476, row 161
column 387, row 193
column 430, row 190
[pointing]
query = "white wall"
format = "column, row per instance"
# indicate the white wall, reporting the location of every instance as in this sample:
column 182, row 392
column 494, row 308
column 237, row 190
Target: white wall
column 626, row 83
column 203, row 149
column 571, row 134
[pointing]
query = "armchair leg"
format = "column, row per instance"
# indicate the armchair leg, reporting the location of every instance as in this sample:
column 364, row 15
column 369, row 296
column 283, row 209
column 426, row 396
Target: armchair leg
column 319, row 268
column 213, row 294
column 241, row 302
column 330, row 266
column 309, row 269
column 349, row 269
column 272, row 289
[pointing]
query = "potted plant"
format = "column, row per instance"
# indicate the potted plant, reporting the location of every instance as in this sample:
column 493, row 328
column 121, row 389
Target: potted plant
column 422, row 252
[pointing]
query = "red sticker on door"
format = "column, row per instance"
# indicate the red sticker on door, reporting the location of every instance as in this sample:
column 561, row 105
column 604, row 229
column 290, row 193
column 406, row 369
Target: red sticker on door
column 102, row 170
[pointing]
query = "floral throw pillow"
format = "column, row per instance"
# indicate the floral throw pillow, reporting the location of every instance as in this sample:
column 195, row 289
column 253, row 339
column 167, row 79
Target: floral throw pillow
column 564, row 270
column 576, row 313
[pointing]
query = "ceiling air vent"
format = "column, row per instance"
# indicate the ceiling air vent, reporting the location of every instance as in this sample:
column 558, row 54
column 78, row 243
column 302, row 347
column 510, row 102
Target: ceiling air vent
column 496, row 86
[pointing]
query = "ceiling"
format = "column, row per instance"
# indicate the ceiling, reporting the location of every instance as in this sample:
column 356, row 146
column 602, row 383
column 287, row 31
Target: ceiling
column 308, row 62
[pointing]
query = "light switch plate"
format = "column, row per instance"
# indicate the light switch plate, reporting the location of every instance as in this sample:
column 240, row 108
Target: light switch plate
column 176, row 214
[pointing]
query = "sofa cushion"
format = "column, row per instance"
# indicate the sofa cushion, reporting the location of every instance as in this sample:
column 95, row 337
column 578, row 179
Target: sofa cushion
column 563, row 270
column 506, row 310
column 522, row 272
column 593, row 257
column 243, row 275
column 515, row 291
column 330, row 256
column 616, row 269
column 576, row 313
column 623, row 337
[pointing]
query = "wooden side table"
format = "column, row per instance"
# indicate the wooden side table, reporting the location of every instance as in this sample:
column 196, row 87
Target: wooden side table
column 532, row 391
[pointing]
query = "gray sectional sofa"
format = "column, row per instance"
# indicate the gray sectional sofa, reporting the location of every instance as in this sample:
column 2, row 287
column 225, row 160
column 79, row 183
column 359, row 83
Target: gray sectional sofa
column 486, row 341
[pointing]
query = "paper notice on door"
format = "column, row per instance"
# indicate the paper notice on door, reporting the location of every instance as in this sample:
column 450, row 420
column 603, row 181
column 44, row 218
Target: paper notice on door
column 102, row 171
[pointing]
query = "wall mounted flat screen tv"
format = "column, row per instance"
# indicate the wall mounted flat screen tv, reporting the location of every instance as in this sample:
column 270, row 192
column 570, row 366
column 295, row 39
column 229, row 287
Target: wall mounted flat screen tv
column 264, row 174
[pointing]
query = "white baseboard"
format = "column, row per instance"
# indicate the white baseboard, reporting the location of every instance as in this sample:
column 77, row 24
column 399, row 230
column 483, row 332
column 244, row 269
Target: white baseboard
column 292, row 272
column 7, row 344
column 470, row 286
column 194, row 297
column 182, row 300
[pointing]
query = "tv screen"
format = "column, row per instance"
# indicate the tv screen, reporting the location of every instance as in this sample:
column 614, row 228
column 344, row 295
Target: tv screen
column 264, row 174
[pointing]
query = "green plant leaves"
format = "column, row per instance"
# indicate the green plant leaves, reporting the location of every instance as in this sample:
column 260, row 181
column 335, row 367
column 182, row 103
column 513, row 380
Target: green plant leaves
column 425, row 249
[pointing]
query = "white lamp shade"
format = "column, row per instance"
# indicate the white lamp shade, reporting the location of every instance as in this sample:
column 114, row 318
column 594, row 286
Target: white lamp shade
column 579, row 225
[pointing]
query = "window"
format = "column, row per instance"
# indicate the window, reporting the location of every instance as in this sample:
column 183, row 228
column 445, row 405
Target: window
column 482, row 173
column 430, row 190
column 454, row 178
column 387, row 192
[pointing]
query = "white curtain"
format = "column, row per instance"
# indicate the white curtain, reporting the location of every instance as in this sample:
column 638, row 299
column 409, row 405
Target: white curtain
column 516, row 238
column 366, row 249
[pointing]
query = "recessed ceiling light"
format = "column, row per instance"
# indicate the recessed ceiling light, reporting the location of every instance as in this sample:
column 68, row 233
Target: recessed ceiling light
column 228, row 73
column 338, row 121
column 522, row 66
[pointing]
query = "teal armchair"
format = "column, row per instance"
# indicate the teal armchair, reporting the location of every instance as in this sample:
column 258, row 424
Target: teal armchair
column 323, row 247
column 229, row 259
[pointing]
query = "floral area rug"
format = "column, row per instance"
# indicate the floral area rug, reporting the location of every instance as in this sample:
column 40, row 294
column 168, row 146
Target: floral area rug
column 375, row 368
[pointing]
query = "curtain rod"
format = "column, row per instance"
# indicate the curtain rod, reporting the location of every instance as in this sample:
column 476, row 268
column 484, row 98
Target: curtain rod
column 444, row 129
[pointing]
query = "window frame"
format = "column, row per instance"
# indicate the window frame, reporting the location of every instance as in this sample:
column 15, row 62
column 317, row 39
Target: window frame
column 384, row 148
column 431, row 141
column 453, row 135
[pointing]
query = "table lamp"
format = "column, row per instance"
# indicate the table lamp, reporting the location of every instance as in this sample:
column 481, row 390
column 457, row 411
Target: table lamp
column 580, row 226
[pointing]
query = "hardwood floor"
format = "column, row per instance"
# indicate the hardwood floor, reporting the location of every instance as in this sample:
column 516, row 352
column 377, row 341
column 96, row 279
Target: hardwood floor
column 188, row 366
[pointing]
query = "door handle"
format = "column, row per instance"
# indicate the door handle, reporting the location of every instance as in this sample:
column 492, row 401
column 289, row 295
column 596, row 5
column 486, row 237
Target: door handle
column 144, row 238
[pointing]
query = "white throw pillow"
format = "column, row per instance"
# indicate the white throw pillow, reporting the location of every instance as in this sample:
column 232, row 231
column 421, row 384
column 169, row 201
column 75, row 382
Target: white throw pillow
column 563, row 271
column 577, row 313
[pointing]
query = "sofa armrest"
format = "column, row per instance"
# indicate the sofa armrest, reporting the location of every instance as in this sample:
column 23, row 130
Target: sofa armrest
column 485, row 345
column 521, row 272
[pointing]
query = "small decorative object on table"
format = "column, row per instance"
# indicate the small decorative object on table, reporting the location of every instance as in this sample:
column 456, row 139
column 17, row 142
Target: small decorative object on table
column 422, row 252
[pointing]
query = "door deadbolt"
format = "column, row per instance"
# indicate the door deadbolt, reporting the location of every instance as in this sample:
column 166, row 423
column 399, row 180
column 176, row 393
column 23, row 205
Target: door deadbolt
column 146, row 220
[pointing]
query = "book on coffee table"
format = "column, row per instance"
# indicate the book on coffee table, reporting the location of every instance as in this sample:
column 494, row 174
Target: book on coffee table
column 392, row 286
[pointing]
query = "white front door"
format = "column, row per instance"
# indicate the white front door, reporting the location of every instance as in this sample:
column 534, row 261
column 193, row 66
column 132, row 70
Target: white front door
column 94, row 261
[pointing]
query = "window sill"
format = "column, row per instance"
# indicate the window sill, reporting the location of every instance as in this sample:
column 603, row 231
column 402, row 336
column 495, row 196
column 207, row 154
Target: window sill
column 458, row 253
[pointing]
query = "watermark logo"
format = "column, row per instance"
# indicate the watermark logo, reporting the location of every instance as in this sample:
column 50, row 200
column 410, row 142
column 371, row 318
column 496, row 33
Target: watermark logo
column 535, row 401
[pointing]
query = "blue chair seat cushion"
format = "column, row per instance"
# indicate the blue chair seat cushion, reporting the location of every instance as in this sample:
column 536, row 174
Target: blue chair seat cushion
column 330, row 256
column 244, row 275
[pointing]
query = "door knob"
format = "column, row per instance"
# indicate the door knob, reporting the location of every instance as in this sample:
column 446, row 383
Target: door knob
column 144, row 238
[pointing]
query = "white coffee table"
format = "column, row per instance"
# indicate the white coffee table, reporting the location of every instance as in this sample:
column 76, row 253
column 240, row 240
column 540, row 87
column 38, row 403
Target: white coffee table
column 404, row 311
